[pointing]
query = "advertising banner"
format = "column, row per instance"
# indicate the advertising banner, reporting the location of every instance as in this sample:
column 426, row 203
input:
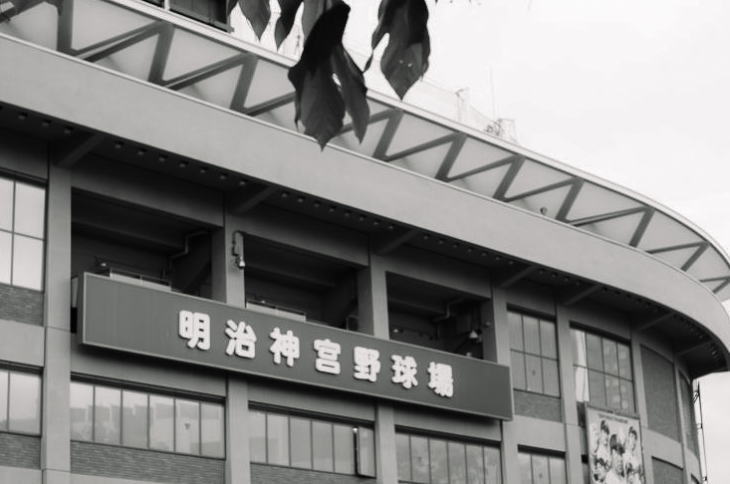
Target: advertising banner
column 125, row 316
column 614, row 448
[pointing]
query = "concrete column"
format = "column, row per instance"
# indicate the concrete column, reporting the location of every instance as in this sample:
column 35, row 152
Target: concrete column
column 56, row 436
column 640, row 396
column 238, row 452
column 682, row 422
column 573, row 432
column 227, row 279
column 228, row 286
column 372, row 300
column 510, row 462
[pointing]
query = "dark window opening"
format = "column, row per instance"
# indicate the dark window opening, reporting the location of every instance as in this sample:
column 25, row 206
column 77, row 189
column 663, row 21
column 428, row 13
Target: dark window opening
column 434, row 316
column 299, row 285
column 212, row 12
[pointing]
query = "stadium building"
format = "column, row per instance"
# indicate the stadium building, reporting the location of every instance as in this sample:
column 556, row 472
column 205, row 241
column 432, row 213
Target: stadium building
column 192, row 292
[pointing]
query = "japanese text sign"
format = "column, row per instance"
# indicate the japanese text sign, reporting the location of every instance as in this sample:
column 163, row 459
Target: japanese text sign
column 129, row 317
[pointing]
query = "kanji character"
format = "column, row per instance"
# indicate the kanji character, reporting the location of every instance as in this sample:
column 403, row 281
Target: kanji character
column 286, row 345
column 367, row 363
column 404, row 371
column 327, row 354
column 195, row 327
column 241, row 339
column 441, row 379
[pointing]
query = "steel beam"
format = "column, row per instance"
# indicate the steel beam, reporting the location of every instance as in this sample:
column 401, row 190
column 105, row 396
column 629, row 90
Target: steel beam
column 248, row 198
column 388, row 134
column 67, row 152
column 593, row 219
column 449, row 138
column 537, row 191
column 509, row 277
column 451, row 156
column 650, row 323
column 193, row 77
column 569, row 200
column 389, row 242
column 509, row 177
column 642, row 226
column 575, row 295
column 693, row 347
column 490, row 166
column 270, row 105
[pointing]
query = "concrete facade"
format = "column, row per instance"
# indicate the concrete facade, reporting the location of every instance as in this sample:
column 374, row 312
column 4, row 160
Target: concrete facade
column 167, row 182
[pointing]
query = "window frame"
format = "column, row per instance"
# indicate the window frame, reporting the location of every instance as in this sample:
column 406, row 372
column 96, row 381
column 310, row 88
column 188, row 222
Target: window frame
column 149, row 393
column 619, row 342
column 447, row 440
column 355, row 428
column 23, row 371
column 13, row 233
column 550, row 456
column 524, row 353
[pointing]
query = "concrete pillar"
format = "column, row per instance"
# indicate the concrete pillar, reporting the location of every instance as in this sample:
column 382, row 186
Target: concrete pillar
column 510, row 462
column 372, row 299
column 56, row 436
column 372, row 294
column 640, row 396
column 573, row 432
column 238, row 452
column 227, row 282
column 682, row 422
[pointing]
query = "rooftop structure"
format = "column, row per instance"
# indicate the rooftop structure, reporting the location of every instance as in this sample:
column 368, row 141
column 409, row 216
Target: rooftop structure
column 193, row 291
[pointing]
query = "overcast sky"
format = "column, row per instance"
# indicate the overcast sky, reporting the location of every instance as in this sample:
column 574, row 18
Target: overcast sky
column 635, row 91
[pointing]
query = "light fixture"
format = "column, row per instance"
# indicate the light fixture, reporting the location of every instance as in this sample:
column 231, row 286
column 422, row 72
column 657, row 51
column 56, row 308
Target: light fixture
column 237, row 250
column 473, row 335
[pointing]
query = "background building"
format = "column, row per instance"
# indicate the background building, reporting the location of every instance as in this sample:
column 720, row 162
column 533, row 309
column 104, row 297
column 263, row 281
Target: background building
column 159, row 210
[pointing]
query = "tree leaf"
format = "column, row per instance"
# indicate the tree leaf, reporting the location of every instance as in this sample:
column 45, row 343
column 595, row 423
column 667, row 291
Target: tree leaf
column 258, row 14
column 320, row 104
column 312, row 11
column 352, row 84
column 405, row 59
column 286, row 19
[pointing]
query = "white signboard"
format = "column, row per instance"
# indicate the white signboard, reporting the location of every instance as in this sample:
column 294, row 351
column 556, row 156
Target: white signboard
column 614, row 448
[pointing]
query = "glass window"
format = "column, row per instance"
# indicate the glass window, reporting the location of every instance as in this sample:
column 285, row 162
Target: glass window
column 144, row 420
column 603, row 377
column 541, row 469
column 457, row 463
column 257, row 435
column 24, row 405
column 298, row 441
column 27, row 262
column 134, row 419
column 402, row 448
column 162, row 417
column 301, row 442
column 439, row 462
column 366, row 451
column 107, row 421
column 6, row 256
column 323, row 449
column 82, row 411
column 428, row 460
column 534, row 354
column 212, row 433
column 474, row 465
column 420, row 459
column 187, row 426
column 6, row 204
column 22, row 221
column 344, row 449
column 3, row 394
column 30, row 207
column 493, row 465
column 277, row 439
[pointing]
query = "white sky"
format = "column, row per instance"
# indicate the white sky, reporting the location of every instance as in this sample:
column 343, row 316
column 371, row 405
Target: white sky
column 637, row 92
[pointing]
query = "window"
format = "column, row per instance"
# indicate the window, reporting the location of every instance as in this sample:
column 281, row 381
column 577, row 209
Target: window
column 20, row 402
column 119, row 416
column 534, row 354
column 22, row 228
column 307, row 443
column 541, row 469
column 603, row 374
column 424, row 459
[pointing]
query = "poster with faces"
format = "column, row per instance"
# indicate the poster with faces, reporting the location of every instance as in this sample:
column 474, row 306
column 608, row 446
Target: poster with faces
column 614, row 448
